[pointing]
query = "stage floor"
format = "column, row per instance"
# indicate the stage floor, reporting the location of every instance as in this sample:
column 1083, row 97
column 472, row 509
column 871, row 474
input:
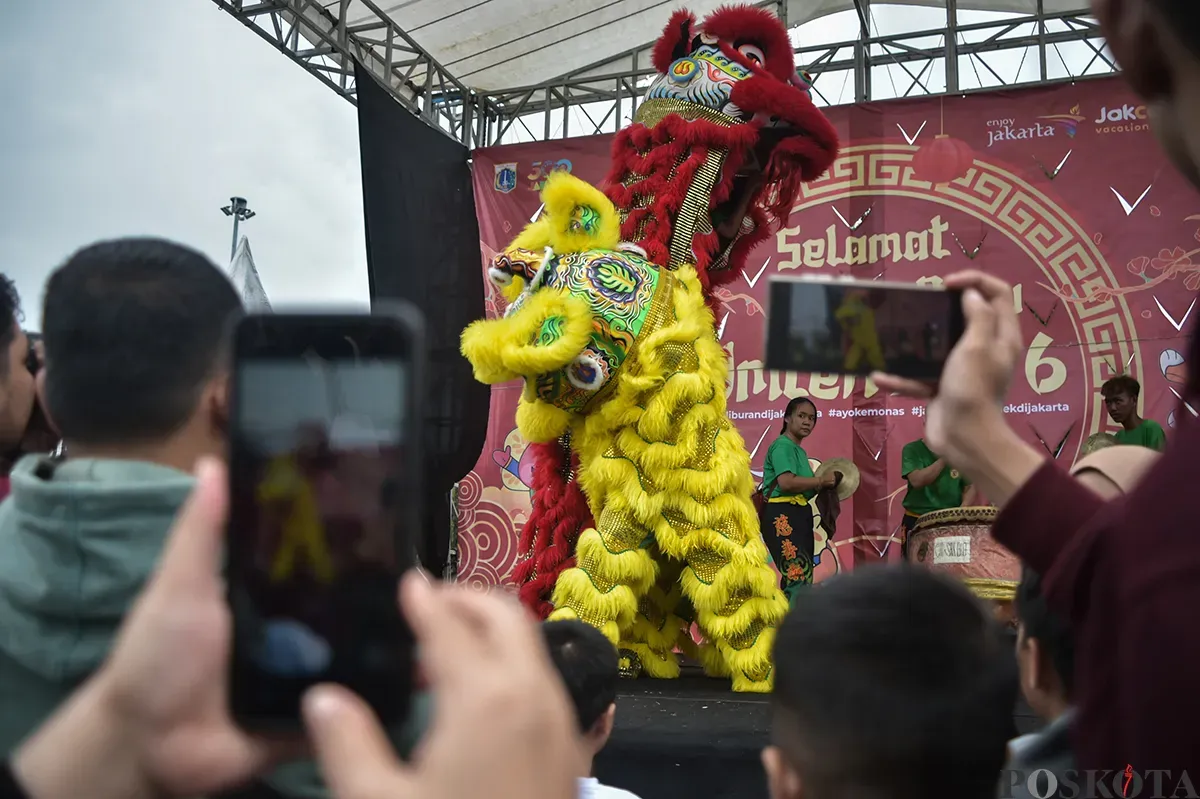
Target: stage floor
column 695, row 737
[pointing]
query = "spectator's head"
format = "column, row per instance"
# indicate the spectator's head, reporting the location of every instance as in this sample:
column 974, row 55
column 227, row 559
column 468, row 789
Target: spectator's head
column 17, row 390
column 587, row 662
column 135, row 336
column 1121, row 397
column 1045, row 651
column 800, row 417
column 1157, row 43
column 890, row 683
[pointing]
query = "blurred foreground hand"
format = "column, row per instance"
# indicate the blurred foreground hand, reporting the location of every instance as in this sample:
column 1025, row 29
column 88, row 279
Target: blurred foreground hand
column 155, row 721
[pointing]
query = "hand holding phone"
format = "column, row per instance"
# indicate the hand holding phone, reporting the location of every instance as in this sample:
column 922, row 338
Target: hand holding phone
column 861, row 326
column 966, row 404
column 325, row 500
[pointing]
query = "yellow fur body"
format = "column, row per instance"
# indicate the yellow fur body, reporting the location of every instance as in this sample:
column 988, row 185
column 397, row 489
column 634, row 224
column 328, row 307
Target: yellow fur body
column 660, row 458
column 665, row 472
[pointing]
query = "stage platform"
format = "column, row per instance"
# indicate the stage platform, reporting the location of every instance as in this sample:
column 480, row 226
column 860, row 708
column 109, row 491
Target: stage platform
column 694, row 737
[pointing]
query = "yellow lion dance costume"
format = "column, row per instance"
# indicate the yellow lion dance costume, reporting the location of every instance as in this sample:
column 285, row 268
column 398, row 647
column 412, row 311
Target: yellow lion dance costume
column 611, row 328
column 666, row 474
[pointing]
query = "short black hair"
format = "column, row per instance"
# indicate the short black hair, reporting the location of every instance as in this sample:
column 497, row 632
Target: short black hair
column 1050, row 630
column 893, row 681
column 133, row 329
column 587, row 662
column 1121, row 384
column 10, row 318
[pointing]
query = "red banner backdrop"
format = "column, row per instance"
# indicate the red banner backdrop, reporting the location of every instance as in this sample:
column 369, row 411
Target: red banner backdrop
column 1062, row 191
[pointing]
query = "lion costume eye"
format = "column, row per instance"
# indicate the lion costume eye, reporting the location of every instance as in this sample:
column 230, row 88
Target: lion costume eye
column 754, row 54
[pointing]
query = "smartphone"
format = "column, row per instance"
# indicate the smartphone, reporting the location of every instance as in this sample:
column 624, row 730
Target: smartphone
column 325, row 502
column 839, row 326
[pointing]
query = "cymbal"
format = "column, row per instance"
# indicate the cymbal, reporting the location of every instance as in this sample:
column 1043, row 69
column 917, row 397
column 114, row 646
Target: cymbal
column 1097, row 441
column 849, row 472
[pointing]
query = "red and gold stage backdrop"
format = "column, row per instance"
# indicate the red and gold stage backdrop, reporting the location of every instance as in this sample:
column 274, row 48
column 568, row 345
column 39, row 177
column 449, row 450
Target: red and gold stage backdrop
column 1062, row 191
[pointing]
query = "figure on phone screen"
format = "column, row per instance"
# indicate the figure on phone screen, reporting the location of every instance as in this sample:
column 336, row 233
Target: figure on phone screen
column 1121, row 395
column 288, row 494
column 933, row 485
column 860, row 336
column 789, row 488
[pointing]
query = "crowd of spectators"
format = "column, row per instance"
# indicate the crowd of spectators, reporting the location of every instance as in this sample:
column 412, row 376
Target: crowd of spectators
column 114, row 632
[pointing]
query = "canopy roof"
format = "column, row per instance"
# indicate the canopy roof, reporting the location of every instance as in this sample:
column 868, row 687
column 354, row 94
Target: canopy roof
column 503, row 44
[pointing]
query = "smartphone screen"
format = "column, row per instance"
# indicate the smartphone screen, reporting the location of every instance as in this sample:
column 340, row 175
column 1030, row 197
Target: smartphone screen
column 320, row 522
column 859, row 327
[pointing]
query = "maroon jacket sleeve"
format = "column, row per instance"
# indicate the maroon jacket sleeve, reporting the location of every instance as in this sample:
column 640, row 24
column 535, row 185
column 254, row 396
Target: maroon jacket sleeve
column 1039, row 523
column 1157, row 654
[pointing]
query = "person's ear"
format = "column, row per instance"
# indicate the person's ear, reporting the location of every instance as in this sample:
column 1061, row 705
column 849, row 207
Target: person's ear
column 1037, row 664
column 216, row 403
column 39, row 386
column 602, row 729
column 782, row 780
column 1134, row 40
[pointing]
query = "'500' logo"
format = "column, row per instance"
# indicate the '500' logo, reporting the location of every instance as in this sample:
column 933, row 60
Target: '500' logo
column 541, row 170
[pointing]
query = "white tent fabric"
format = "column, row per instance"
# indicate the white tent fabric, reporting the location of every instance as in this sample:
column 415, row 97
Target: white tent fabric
column 504, row 44
column 244, row 275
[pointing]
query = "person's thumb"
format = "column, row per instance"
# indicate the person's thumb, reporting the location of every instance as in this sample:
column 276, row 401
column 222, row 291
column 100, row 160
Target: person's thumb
column 981, row 319
column 191, row 559
column 356, row 756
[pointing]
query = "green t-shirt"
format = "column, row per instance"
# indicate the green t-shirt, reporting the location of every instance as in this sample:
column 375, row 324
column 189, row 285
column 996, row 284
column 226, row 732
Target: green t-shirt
column 783, row 457
column 944, row 492
column 1148, row 434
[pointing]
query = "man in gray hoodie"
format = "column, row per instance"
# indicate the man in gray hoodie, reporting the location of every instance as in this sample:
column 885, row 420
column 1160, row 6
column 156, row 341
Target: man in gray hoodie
column 135, row 380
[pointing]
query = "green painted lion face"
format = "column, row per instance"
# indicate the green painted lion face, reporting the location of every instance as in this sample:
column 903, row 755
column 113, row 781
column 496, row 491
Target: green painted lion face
column 583, row 311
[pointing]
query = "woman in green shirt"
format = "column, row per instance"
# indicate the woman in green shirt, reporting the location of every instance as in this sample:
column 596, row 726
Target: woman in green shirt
column 788, row 487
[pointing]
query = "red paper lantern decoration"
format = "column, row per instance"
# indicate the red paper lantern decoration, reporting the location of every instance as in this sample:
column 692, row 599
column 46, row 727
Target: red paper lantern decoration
column 942, row 160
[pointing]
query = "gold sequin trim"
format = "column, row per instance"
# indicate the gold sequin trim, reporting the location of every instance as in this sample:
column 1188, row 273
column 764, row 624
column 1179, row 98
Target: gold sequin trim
column 585, row 614
column 620, row 532
column 695, row 204
column 745, row 640
column 706, row 449
column 706, row 564
column 651, row 112
column 736, row 600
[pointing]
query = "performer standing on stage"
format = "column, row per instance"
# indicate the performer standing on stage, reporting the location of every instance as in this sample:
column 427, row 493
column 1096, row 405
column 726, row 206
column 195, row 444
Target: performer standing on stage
column 932, row 484
column 789, row 487
column 1121, row 398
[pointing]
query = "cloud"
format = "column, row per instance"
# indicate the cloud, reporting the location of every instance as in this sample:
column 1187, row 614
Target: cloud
column 118, row 121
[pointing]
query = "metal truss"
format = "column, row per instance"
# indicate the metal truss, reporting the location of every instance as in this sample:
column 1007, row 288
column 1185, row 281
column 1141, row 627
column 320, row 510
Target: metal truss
column 317, row 37
column 603, row 97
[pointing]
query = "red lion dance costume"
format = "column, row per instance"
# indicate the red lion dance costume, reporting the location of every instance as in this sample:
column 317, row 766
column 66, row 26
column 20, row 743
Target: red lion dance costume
column 712, row 163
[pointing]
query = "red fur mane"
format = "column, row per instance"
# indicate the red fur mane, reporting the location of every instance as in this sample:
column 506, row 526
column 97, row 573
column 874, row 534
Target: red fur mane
column 676, row 40
column 740, row 24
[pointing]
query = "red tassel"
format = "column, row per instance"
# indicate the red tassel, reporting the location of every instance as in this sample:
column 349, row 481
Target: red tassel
column 559, row 513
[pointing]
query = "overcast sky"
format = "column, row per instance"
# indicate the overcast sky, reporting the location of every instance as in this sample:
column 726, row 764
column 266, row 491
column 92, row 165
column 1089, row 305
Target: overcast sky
column 142, row 117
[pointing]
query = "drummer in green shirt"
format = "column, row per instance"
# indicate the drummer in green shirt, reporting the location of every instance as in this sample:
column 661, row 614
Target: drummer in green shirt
column 1121, row 395
column 789, row 487
column 933, row 484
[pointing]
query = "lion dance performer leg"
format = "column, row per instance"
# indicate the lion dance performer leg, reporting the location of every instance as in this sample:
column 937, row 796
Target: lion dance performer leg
column 611, row 327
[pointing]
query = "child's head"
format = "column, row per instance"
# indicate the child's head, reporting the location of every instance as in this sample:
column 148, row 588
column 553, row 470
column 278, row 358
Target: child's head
column 890, row 682
column 1045, row 651
column 587, row 662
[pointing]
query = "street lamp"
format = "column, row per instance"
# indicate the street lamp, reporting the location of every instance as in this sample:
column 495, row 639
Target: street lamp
column 240, row 211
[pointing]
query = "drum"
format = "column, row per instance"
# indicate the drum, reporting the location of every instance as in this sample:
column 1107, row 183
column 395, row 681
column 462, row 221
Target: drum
column 958, row 542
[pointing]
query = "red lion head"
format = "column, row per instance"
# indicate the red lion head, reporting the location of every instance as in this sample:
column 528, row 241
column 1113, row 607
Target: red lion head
column 719, row 148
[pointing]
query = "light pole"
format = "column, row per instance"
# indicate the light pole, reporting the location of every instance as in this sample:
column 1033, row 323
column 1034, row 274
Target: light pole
column 240, row 211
